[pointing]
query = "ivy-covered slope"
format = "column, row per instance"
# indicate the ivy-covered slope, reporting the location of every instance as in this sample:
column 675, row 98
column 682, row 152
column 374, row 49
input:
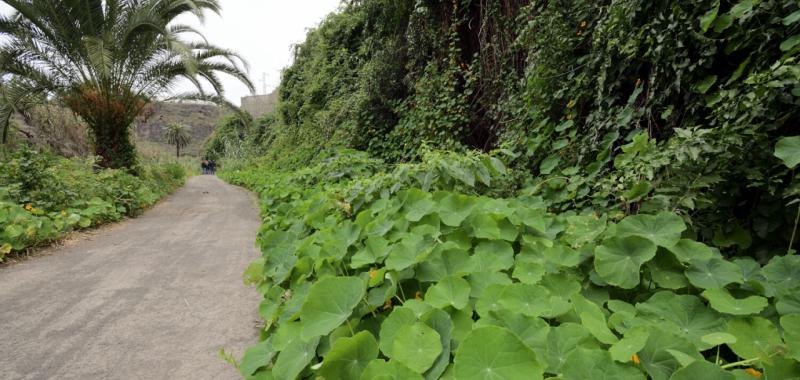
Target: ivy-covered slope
column 619, row 200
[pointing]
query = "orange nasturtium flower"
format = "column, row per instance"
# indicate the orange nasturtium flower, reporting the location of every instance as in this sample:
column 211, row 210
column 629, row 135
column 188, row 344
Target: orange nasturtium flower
column 635, row 359
column 753, row 372
column 373, row 273
column 418, row 295
column 388, row 304
column 29, row 207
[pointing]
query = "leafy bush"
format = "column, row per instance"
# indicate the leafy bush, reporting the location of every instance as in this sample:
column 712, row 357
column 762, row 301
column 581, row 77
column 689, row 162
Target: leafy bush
column 43, row 196
column 421, row 281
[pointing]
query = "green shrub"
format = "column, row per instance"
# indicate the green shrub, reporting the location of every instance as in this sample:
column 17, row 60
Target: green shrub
column 43, row 196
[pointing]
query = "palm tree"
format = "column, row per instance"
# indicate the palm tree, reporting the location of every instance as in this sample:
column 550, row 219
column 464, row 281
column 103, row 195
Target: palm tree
column 179, row 135
column 106, row 59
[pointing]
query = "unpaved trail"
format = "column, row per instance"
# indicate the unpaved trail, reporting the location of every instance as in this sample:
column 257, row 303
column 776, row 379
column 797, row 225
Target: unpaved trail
column 151, row 298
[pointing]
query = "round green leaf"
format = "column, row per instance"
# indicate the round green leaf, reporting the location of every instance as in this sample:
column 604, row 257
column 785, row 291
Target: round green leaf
column 379, row 369
column 633, row 341
column 724, row 302
column 717, row 339
column 400, row 316
column 755, row 337
column 493, row 256
column 788, row 150
column 530, row 300
column 687, row 250
column 294, row 358
column 416, row 346
column 619, row 260
column 454, row 208
column 663, row 229
column 713, row 273
column 256, row 357
column 791, row 334
column 349, row 356
column 451, row 291
column 494, row 353
column 329, row 303
column 701, row 369
column 596, row 364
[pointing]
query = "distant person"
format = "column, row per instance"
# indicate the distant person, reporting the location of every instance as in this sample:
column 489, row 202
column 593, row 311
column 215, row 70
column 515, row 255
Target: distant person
column 212, row 165
column 204, row 166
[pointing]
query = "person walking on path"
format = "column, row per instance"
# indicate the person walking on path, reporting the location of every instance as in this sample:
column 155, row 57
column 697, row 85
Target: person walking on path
column 204, row 166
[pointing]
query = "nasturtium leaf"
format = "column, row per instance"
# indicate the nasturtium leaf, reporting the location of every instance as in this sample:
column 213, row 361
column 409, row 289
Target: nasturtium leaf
column 254, row 273
column 583, row 229
column 441, row 322
column 562, row 255
column 596, row 364
column 528, row 272
column 633, row 341
column 294, row 358
column 416, row 346
column 756, row 337
column 453, row 209
column 451, row 291
column 618, row 260
column 667, row 272
column 663, row 229
column 782, row 368
column 329, row 303
column 637, row 191
column 407, row 252
column 687, row 250
column 684, row 316
column 530, row 330
column 592, row 318
column 788, row 150
column 782, row 275
column 702, row 369
column 788, row 304
column 400, row 316
column 375, row 249
column 683, row 359
column 494, row 353
column 418, row 307
column 530, row 300
column 718, row 339
column 656, row 357
column 493, row 256
column 724, row 302
column 256, row 357
column 791, row 334
column 447, row 262
column 479, row 281
column 487, row 226
column 349, row 357
column 564, row 339
column 380, row 369
column 713, row 273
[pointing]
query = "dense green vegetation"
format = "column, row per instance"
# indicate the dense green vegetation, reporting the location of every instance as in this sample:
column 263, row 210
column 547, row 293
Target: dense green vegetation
column 43, row 196
column 573, row 190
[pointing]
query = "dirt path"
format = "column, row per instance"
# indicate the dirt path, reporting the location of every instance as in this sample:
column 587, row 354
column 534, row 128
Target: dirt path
column 151, row 298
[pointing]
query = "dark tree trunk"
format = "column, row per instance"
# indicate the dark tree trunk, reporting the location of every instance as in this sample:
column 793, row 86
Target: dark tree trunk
column 114, row 146
column 178, row 150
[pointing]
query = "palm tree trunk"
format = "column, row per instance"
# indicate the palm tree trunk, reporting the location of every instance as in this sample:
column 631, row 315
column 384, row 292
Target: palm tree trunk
column 178, row 150
column 113, row 144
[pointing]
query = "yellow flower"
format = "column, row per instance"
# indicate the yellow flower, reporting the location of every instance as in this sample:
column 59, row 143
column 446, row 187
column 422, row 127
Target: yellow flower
column 373, row 273
column 754, row 372
column 635, row 359
column 418, row 296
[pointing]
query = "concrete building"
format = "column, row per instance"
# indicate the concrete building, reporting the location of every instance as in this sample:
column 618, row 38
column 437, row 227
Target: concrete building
column 258, row 105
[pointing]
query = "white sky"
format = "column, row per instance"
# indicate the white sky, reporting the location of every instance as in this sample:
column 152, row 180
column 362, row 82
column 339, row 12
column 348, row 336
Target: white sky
column 262, row 31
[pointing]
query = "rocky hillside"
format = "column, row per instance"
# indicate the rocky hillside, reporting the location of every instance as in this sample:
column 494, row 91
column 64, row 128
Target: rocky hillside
column 200, row 116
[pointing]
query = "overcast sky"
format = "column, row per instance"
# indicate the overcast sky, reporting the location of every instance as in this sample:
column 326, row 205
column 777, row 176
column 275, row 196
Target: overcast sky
column 263, row 31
